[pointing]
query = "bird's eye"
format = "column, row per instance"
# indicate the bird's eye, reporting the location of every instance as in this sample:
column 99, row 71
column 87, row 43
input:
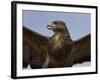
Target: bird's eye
column 55, row 22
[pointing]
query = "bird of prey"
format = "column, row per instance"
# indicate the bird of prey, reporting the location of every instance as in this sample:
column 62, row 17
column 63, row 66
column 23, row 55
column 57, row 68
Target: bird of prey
column 56, row 51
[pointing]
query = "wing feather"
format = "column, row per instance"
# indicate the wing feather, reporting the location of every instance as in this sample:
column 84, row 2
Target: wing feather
column 35, row 37
column 81, row 50
column 38, row 46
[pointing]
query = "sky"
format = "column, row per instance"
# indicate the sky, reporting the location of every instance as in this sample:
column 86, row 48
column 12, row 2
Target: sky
column 78, row 24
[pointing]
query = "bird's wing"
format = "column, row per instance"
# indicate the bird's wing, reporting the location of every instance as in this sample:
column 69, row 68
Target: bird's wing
column 81, row 50
column 34, row 39
column 37, row 44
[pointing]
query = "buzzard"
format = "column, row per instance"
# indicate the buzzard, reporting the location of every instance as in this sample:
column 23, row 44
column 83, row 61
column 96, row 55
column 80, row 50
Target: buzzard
column 56, row 51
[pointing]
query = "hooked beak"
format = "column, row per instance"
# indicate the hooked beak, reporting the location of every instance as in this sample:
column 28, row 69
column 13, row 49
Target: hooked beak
column 49, row 26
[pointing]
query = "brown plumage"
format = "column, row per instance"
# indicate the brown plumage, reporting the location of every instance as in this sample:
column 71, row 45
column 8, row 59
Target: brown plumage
column 56, row 51
column 35, row 52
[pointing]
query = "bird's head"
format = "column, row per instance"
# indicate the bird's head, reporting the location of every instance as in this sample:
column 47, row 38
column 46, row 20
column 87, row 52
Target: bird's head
column 57, row 26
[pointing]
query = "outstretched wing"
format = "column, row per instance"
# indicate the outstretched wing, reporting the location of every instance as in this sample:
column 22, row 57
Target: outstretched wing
column 81, row 50
column 34, row 39
column 34, row 48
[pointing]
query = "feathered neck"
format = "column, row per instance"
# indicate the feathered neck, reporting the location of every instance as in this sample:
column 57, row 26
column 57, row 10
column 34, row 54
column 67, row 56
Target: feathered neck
column 60, row 38
column 62, row 33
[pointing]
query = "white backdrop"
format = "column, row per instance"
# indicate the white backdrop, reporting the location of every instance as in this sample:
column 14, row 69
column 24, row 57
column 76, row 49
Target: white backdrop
column 5, row 40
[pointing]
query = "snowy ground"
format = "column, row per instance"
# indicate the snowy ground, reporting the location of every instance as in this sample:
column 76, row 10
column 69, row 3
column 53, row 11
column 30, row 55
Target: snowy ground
column 83, row 64
column 76, row 65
